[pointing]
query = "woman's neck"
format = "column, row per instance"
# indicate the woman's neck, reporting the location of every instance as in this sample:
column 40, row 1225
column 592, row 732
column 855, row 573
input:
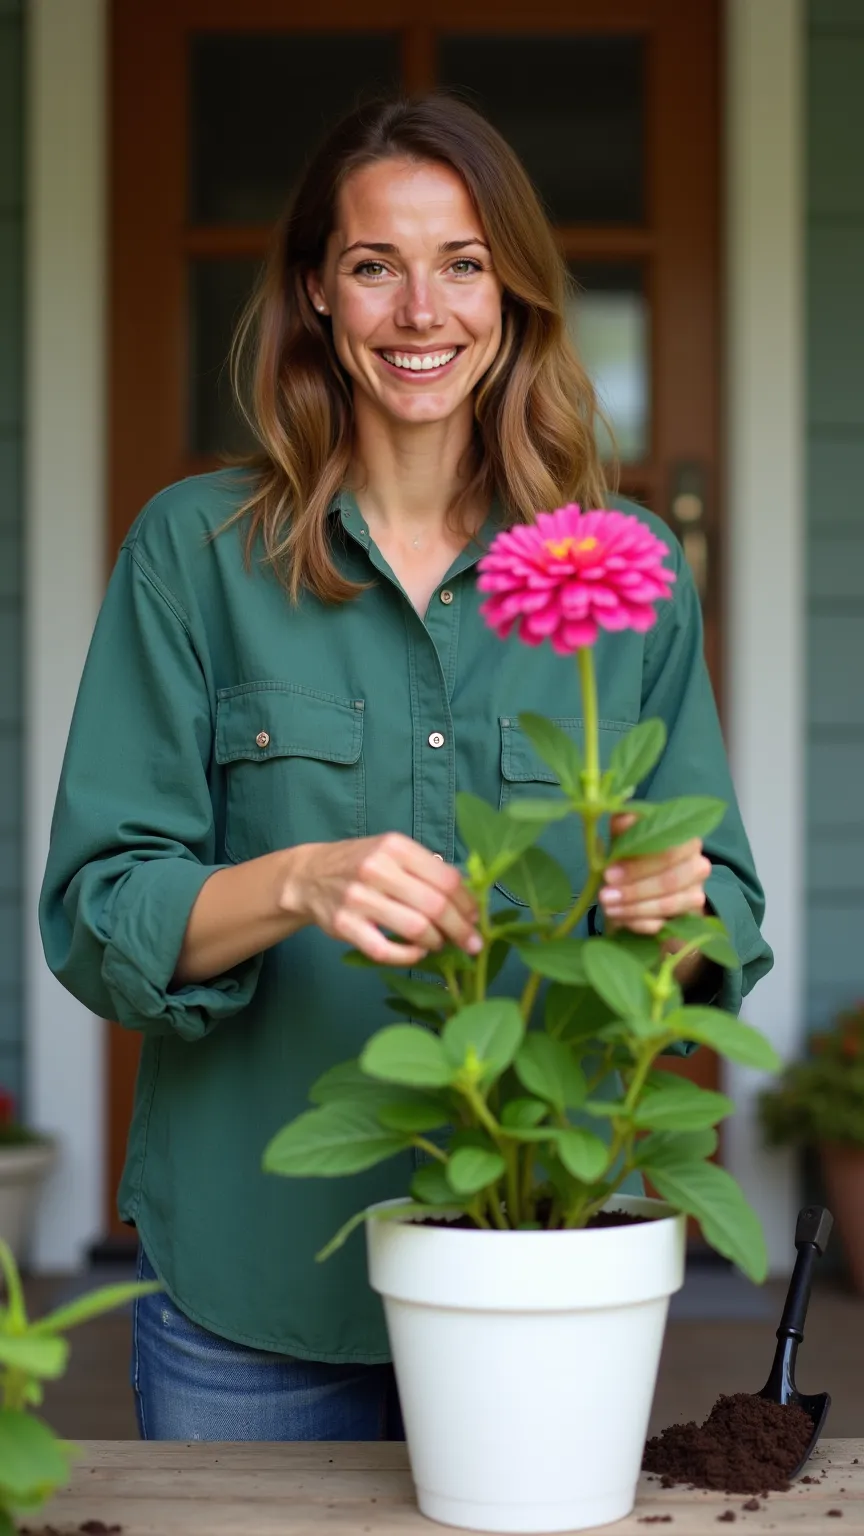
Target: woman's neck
column 407, row 477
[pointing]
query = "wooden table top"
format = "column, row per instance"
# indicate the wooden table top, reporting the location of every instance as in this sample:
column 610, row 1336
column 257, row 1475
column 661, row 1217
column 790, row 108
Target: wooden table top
column 169, row 1488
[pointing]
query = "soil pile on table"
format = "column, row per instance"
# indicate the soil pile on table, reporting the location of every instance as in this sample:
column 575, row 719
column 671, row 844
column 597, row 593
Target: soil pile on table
column 746, row 1445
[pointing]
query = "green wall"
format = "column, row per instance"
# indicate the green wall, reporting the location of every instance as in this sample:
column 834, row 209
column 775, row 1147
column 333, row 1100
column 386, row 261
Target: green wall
column 11, row 516
column 835, row 506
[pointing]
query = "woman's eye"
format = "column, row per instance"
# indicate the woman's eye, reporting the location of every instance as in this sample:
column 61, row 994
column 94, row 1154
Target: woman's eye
column 370, row 268
column 464, row 267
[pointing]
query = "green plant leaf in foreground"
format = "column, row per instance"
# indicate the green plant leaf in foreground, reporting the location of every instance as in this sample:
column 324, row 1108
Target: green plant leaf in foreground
column 44, row 1358
column 32, row 1461
column 550, row 1071
column 583, row 1154
column 556, row 749
column 493, row 835
column 539, row 880
column 668, row 824
column 405, row 1053
column 635, row 755
column 707, row 934
column 728, row 1222
column 411, row 1208
column 671, row 1103
column 617, row 977
column 331, row 1141
column 474, row 1168
column 490, row 1030
column 558, row 959
column 730, row 1037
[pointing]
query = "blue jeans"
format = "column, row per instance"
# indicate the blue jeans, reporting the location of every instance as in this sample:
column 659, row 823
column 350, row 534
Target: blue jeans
column 190, row 1384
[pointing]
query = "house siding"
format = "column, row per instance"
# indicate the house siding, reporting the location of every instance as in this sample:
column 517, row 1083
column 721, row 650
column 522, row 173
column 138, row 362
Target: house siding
column 835, row 508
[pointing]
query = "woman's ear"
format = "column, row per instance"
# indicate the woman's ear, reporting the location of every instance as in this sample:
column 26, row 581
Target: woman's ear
column 316, row 294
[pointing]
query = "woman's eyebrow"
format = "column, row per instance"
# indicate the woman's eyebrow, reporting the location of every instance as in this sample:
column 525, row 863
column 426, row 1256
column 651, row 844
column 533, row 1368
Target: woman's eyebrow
column 382, row 248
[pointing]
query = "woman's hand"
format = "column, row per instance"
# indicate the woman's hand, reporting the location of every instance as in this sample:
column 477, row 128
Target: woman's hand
column 357, row 890
column 641, row 894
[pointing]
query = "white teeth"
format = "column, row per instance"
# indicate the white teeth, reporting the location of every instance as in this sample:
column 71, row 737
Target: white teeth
column 417, row 364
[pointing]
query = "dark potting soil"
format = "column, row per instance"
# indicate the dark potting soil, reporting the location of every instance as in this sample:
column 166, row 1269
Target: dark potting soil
column 746, row 1445
column 602, row 1219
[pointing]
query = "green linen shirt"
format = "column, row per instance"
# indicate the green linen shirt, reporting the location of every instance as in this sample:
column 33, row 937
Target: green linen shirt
column 216, row 722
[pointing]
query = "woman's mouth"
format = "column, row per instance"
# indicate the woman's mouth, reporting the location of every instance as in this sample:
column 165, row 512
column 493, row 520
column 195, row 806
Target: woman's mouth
column 420, row 365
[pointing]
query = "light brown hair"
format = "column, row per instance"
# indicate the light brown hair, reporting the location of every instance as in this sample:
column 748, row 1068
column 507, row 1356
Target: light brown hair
column 535, row 410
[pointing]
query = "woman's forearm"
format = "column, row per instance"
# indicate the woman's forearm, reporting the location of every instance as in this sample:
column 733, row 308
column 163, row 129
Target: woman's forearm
column 239, row 912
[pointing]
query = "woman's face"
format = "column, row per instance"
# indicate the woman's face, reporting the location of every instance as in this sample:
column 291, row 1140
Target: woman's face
column 409, row 283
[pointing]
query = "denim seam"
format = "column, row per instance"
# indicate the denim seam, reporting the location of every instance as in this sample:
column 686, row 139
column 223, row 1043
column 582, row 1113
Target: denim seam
column 136, row 1354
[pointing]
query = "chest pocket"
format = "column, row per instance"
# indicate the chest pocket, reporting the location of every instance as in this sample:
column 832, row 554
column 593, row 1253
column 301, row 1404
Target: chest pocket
column 293, row 762
column 525, row 775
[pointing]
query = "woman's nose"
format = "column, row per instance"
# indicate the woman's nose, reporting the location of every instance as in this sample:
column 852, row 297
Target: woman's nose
column 420, row 306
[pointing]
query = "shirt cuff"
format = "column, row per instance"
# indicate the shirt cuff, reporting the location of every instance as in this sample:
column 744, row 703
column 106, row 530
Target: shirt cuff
column 146, row 925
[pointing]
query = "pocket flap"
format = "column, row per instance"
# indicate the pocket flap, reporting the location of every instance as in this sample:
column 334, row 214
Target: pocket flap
column 262, row 720
column 520, row 763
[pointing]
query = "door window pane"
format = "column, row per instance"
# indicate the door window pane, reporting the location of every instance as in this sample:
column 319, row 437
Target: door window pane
column 259, row 105
column 218, row 291
column 573, row 108
column 609, row 321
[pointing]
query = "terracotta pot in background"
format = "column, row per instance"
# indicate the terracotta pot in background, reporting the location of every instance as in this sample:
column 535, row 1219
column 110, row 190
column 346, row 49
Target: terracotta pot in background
column 843, row 1172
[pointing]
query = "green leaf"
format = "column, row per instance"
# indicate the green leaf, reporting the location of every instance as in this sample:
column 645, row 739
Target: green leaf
column 617, row 977
column 429, row 1185
column 415, row 1115
column 583, row 1154
column 522, row 1114
column 667, row 825
column 495, row 836
column 728, row 1222
column 679, row 1105
column 421, row 994
column 548, row 1069
column 491, row 1030
column 666, row 1149
column 105, row 1299
column 559, row 959
column 349, row 1081
column 540, row 881
column 44, row 1357
column 574, row 1013
column 557, row 750
column 33, row 1462
column 328, row 1142
column 708, row 934
column 392, row 1213
column 725, row 1034
column 632, row 758
column 472, row 1168
column 538, row 813
column 405, row 1053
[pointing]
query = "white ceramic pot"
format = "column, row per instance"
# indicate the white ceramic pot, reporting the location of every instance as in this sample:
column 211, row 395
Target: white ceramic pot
column 22, row 1170
column 526, row 1363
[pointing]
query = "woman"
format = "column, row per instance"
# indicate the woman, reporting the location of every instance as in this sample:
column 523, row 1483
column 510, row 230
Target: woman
column 275, row 779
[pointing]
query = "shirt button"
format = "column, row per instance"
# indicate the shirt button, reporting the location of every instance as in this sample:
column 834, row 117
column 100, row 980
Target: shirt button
column 446, row 595
column 262, row 739
column 436, row 739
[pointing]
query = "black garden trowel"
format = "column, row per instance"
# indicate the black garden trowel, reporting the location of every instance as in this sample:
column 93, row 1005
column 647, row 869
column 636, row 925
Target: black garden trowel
column 811, row 1239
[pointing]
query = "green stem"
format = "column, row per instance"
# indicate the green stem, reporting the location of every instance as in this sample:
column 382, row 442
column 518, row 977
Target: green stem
column 482, row 966
column 430, row 1147
column 450, row 977
column 591, row 717
column 495, row 1211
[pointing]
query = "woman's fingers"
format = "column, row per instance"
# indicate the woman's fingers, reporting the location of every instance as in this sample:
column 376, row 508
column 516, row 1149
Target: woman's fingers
column 643, row 892
column 363, row 935
column 429, row 891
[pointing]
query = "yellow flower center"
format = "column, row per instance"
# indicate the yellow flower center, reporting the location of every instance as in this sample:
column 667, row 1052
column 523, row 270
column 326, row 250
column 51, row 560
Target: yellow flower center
column 560, row 548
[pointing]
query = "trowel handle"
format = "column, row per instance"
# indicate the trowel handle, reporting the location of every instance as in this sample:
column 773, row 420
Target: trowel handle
column 811, row 1238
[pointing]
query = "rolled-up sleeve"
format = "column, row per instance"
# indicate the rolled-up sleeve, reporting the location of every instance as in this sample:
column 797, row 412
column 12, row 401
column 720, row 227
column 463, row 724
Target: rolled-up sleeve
column 133, row 836
column 677, row 690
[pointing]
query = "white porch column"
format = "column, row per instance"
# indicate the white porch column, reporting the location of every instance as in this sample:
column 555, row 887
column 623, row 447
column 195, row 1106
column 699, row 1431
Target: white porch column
column 64, row 560
column 766, row 168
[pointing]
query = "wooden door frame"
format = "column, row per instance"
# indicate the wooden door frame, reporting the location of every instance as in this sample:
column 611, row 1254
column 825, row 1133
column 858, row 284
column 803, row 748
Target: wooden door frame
column 146, row 408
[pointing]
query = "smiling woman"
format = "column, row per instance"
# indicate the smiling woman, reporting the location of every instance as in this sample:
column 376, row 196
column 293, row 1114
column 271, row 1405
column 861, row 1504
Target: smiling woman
column 300, row 682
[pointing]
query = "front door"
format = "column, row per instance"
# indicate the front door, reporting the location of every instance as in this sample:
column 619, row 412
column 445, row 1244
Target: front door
column 613, row 106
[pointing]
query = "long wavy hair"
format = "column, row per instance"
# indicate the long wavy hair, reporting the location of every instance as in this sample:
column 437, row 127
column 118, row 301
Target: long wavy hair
column 535, row 410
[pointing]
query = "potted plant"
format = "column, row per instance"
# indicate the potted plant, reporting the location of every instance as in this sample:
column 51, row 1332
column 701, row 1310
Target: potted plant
column 819, row 1102
column 34, row 1462
column 525, row 1297
column 25, row 1159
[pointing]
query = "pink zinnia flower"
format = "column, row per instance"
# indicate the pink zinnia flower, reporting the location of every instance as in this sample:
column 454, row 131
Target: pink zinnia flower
column 569, row 573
